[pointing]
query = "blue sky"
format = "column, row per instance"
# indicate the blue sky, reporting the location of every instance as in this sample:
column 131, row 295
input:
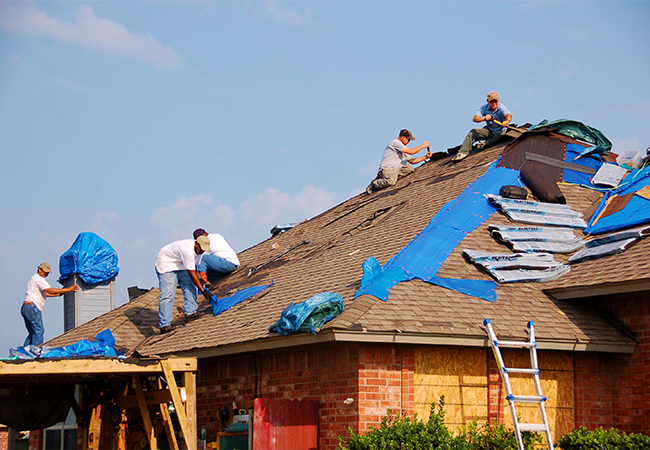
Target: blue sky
column 141, row 121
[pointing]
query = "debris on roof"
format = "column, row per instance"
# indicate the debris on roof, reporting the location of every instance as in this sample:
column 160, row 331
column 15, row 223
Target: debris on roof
column 310, row 315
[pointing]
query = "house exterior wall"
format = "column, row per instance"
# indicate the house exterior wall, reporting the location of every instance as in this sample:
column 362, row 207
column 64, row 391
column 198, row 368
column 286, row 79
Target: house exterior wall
column 614, row 390
column 380, row 377
column 4, row 437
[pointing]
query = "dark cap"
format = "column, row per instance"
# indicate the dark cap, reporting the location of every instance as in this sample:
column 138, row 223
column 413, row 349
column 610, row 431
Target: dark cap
column 199, row 232
column 406, row 133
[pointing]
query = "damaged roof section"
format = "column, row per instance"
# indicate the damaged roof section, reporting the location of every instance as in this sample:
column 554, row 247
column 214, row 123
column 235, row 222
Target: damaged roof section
column 326, row 254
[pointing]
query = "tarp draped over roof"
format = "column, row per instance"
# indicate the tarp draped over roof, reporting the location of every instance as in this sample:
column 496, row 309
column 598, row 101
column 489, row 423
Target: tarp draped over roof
column 102, row 345
column 425, row 254
column 91, row 257
column 220, row 305
column 622, row 207
column 577, row 130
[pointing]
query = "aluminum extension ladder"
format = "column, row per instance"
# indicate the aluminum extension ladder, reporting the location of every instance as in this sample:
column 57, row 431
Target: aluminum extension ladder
column 538, row 399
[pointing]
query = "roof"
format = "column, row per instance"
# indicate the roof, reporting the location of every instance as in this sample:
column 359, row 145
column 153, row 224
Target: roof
column 326, row 253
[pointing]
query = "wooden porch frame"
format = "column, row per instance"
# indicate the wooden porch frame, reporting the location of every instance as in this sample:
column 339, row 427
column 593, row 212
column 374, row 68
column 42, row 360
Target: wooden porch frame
column 82, row 371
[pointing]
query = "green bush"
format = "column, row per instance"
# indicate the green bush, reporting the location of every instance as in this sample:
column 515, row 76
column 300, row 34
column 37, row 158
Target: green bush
column 601, row 439
column 399, row 432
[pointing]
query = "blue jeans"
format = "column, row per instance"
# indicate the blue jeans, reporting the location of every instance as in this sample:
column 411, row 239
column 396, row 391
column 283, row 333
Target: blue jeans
column 34, row 323
column 215, row 266
column 481, row 134
column 167, row 283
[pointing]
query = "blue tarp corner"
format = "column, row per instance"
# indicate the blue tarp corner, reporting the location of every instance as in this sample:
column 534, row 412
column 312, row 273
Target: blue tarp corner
column 91, row 257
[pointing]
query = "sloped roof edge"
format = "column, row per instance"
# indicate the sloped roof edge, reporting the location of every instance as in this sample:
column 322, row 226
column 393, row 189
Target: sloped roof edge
column 595, row 290
column 346, row 336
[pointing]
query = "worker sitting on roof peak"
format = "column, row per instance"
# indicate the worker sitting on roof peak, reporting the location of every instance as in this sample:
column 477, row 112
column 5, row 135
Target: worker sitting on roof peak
column 395, row 162
column 176, row 264
column 38, row 289
column 217, row 262
column 491, row 113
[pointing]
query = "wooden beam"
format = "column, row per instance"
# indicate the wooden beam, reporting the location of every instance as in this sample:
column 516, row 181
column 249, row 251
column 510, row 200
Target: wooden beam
column 88, row 366
column 144, row 411
column 179, row 407
column 167, row 422
column 150, row 398
column 95, row 428
column 189, row 382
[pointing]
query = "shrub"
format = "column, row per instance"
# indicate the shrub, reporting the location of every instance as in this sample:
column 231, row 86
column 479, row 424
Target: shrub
column 601, row 439
column 399, row 432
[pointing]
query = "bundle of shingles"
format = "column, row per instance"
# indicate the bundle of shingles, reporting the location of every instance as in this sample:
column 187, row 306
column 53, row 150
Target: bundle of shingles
column 610, row 245
column 534, row 245
column 518, row 267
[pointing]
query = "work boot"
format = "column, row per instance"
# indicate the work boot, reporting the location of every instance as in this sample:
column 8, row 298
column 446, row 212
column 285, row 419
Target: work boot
column 369, row 189
column 459, row 157
column 166, row 329
column 190, row 317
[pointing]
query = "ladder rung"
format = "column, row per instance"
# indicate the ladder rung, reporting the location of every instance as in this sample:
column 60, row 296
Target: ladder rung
column 515, row 370
column 532, row 427
column 526, row 398
column 515, row 344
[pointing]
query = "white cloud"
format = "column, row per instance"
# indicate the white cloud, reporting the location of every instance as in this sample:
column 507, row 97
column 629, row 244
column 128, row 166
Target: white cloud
column 272, row 205
column 272, row 10
column 247, row 224
column 87, row 30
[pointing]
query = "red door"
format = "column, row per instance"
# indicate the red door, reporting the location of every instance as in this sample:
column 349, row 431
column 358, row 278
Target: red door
column 285, row 424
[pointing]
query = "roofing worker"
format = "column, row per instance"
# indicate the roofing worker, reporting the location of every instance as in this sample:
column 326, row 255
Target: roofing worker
column 492, row 132
column 176, row 264
column 395, row 162
column 219, row 261
column 38, row 289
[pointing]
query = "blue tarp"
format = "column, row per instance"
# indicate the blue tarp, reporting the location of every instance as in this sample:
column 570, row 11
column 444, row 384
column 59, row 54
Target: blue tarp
column 309, row 315
column 575, row 177
column 91, row 257
column 425, row 254
column 102, row 345
column 220, row 305
column 634, row 214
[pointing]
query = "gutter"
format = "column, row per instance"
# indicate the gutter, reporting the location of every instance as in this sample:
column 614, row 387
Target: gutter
column 331, row 335
column 598, row 290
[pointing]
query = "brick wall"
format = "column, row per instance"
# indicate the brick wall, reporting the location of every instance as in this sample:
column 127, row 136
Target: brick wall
column 4, row 437
column 329, row 375
column 614, row 390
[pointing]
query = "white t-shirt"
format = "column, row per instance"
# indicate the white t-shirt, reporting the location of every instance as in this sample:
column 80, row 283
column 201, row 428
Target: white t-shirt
column 393, row 156
column 220, row 248
column 35, row 292
column 178, row 255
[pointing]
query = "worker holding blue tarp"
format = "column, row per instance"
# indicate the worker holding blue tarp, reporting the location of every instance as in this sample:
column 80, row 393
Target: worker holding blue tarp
column 490, row 113
column 396, row 161
column 38, row 289
column 176, row 264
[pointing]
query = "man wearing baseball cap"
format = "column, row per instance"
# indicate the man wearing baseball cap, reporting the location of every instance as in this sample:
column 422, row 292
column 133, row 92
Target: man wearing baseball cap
column 176, row 265
column 492, row 132
column 38, row 289
column 217, row 262
column 396, row 161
